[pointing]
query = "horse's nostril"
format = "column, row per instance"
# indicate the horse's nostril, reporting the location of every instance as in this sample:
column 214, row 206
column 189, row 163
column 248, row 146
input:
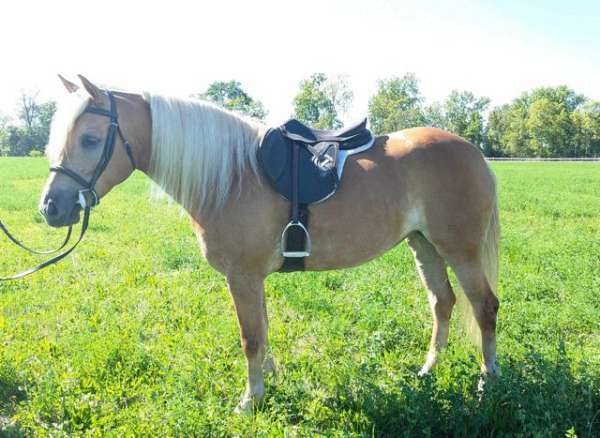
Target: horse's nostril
column 51, row 210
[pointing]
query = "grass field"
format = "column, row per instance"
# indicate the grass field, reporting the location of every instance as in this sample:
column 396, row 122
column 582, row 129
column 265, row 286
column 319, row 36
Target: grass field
column 136, row 335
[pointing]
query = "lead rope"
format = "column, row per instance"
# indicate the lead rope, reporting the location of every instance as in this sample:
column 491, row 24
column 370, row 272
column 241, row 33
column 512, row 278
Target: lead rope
column 84, row 226
column 14, row 240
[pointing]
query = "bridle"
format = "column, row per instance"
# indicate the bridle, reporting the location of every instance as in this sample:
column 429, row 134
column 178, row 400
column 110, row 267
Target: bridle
column 88, row 197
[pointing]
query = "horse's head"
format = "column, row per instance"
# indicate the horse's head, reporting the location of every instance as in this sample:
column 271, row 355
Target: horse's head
column 88, row 150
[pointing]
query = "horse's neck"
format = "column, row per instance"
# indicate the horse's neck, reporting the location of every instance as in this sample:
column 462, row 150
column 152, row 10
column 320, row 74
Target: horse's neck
column 139, row 130
column 243, row 186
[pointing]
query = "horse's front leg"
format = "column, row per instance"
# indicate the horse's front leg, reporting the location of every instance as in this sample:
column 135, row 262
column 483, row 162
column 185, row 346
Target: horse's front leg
column 249, row 298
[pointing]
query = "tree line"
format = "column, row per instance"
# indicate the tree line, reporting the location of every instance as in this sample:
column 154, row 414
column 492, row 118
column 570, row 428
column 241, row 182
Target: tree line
column 29, row 134
column 543, row 122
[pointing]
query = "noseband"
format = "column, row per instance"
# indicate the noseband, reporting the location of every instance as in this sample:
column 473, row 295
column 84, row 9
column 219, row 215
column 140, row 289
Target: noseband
column 88, row 197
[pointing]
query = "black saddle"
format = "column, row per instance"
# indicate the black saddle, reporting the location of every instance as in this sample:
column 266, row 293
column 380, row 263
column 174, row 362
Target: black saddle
column 305, row 165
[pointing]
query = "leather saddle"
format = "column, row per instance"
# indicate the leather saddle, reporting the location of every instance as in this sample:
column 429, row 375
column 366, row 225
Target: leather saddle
column 305, row 166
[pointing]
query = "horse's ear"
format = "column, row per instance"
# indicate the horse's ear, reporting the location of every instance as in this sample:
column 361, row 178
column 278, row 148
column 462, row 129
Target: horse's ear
column 93, row 90
column 70, row 86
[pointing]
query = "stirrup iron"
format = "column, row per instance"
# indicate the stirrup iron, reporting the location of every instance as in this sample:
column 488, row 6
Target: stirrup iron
column 295, row 226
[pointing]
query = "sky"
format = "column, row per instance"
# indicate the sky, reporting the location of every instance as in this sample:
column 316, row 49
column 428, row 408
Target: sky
column 496, row 49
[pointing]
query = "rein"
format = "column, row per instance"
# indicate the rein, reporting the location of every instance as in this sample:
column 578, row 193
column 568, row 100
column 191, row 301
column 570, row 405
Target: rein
column 88, row 197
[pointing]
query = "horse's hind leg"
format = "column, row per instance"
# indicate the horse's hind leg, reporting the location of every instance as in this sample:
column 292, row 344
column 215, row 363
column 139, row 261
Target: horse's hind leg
column 432, row 269
column 269, row 362
column 485, row 305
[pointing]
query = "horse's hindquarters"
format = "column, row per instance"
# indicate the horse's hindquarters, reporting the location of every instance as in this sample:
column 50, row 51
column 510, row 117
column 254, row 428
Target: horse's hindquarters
column 421, row 180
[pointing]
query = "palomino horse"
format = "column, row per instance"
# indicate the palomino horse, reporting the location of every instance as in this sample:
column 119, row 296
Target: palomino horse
column 424, row 185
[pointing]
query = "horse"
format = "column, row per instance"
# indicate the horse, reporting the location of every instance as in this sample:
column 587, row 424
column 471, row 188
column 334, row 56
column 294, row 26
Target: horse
column 423, row 185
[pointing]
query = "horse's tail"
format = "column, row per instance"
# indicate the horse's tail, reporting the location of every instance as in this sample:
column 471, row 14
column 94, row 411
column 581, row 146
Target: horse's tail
column 489, row 261
column 490, row 255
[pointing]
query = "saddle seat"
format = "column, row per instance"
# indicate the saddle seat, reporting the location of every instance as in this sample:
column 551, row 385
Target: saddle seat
column 305, row 166
column 347, row 137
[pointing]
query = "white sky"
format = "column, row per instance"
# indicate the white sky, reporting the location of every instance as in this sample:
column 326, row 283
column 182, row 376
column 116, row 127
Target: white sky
column 179, row 47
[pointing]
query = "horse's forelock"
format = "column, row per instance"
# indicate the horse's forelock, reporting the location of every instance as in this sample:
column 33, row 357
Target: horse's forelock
column 68, row 111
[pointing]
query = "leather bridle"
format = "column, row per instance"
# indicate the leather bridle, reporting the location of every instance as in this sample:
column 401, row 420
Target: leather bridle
column 88, row 197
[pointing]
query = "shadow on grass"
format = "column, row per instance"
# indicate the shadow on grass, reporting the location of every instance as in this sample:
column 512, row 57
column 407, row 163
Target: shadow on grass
column 534, row 397
column 10, row 395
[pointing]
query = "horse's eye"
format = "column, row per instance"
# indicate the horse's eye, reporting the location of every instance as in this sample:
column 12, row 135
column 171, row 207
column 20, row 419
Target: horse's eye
column 89, row 141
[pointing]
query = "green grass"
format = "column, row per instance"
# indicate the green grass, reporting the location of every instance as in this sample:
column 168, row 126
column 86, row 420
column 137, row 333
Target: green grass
column 136, row 334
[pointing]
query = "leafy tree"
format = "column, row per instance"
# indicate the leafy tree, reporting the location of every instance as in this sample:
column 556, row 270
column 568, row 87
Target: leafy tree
column 397, row 104
column 546, row 122
column 4, row 120
column 435, row 116
column 321, row 101
column 33, row 129
column 516, row 137
column 497, row 127
column 587, row 123
column 230, row 95
column 550, row 121
column 463, row 114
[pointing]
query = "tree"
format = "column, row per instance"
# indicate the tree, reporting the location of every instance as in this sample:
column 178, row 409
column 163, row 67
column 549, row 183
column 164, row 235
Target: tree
column 231, row 96
column 397, row 104
column 4, row 120
column 497, row 127
column 550, row 121
column 41, row 127
column 546, row 122
column 587, row 123
column 321, row 101
column 32, row 133
column 28, row 108
column 464, row 114
column 435, row 116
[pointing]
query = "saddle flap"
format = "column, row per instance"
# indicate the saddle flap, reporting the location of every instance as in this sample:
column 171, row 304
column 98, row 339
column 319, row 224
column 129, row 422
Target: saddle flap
column 316, row 168
column 274, row 155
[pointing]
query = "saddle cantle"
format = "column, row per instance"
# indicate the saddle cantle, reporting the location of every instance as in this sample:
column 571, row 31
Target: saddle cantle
column 305, row 166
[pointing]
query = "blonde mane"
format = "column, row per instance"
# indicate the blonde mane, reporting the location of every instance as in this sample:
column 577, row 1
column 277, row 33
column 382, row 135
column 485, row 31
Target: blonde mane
column 199, row 150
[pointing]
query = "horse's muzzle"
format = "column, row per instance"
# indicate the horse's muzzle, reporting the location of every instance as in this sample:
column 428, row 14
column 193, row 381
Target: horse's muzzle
column 60, row 209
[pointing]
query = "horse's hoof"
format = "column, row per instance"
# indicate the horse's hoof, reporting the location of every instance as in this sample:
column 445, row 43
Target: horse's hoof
column 488, row 376
column 428, row 366
column 245, row 407
column 423, row 371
